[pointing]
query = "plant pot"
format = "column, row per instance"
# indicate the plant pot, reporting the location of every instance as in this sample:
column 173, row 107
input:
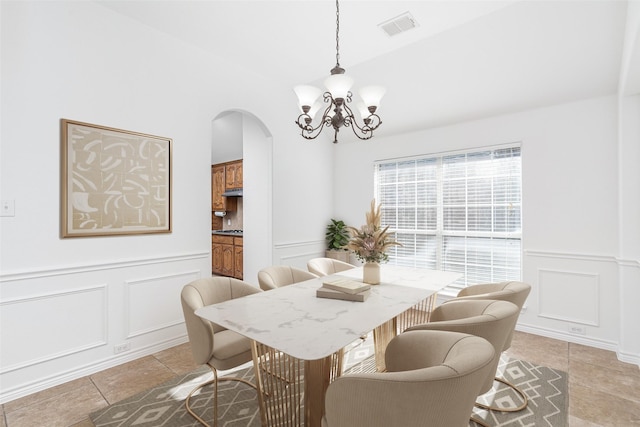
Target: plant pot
column 371, row 273
column 340, row 255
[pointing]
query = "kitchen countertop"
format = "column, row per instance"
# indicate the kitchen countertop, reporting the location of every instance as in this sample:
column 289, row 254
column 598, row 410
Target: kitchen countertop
column 226, row 233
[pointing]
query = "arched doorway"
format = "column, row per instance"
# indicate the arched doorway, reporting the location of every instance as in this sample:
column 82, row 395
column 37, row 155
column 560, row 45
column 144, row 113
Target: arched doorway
column 238, row 134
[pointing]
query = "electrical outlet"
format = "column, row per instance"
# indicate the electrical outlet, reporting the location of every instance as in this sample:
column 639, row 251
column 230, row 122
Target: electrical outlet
column 578, row 330
column 121, row 348
column 8, row 208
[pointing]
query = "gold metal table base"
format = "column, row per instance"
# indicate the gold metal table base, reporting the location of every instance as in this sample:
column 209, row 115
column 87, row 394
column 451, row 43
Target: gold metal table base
column 384, row 333
column 291, row 391
column 416, row 315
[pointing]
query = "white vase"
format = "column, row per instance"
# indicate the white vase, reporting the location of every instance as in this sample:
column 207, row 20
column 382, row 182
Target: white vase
column 371, row 273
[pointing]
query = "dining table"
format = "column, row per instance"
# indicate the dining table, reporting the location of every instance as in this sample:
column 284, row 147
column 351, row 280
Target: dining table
column 298, row 339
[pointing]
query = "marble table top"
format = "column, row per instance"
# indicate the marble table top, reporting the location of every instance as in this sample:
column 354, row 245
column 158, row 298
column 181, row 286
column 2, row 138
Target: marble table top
column 293, row 320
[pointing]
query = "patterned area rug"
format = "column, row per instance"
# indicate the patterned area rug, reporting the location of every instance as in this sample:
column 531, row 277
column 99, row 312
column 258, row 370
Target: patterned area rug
column 163, row 405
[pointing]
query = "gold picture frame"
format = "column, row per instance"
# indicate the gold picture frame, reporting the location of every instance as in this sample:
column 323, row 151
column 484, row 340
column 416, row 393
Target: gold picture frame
column 114, row 181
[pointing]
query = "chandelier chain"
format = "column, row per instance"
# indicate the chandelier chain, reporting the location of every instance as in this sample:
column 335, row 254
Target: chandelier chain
column 337, row 34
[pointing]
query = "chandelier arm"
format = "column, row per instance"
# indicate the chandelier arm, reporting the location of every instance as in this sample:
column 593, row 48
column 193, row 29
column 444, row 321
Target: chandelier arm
column 304, row 122
column 374, row 121
column 310, row 132
column 371, row 118
column 365, row 131
column 371, row 122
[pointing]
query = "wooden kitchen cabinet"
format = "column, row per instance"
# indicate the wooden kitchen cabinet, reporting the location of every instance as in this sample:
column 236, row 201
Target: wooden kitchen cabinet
column 233, row 175
column 226, row 256
column 227, row 260
column 216, row 257
column 218, row 186
column 238, row 270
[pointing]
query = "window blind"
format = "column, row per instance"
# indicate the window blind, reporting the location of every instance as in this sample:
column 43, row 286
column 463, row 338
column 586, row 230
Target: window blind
column 455, row 212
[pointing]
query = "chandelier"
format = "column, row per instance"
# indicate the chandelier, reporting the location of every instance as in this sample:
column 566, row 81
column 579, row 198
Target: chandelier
column 338, row 95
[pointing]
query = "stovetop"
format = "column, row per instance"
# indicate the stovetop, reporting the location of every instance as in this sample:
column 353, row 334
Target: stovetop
column 232, row 232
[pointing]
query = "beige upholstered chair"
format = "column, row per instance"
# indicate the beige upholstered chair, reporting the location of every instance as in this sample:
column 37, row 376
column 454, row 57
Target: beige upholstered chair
column 281, row 275
column 432, row 379
column 515, row 292
column 212, row 344
column 326, row 266
column 490, row 319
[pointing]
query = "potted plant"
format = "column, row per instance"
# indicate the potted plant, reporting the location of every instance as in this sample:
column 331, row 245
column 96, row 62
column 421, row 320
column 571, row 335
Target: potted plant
column 370, row 243
column 337, row 238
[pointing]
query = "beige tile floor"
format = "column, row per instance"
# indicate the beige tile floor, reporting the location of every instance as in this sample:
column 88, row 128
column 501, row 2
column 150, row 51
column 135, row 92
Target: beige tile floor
column 602, row 390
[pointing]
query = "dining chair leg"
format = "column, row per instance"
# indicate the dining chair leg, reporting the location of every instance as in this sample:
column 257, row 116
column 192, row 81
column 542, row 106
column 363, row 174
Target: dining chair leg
column 478, row 421
column 214, row 381
column 523, row 396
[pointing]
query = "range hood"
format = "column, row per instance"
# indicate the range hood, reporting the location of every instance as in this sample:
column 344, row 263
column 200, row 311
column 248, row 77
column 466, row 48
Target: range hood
column 235, row 192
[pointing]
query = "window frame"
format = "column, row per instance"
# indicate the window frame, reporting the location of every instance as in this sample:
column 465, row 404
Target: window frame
column 440, row 234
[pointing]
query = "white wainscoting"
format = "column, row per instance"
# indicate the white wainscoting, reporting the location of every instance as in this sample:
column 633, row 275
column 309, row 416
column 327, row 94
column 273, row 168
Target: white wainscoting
column 32, row 317
column 556, row 287
column 151, row 302
column 574, row 297
column 296, row 254
column 629, row 347
column 63, row 324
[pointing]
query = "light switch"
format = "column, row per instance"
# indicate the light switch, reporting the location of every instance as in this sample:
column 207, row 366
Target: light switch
column 8, row 208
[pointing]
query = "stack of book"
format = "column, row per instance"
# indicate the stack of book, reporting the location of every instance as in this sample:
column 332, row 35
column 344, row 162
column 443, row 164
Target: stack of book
column 345, row 289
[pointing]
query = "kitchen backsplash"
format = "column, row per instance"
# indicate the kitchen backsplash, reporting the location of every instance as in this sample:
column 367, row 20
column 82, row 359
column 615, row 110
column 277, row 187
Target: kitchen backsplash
column 231, row 221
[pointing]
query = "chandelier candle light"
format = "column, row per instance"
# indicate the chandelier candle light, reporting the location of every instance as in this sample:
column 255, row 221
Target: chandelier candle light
column 338, row 96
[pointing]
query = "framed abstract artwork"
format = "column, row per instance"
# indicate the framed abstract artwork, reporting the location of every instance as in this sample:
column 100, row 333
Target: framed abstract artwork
column 114, row 181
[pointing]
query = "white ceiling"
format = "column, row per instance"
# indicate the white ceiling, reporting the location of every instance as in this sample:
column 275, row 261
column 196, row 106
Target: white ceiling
column 465, row 60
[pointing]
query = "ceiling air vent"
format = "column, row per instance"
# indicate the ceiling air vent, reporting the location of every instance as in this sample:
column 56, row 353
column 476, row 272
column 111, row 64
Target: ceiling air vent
column 399, row 24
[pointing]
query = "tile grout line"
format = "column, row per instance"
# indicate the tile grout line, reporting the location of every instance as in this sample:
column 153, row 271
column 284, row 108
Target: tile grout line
column 99, row 391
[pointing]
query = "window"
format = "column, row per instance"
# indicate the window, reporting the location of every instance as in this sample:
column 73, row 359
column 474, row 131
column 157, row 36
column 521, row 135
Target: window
column 455, row 212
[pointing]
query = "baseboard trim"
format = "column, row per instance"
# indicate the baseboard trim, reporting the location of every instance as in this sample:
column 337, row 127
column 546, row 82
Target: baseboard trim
column 562, row 336
column 83, row 371
column 628, row 358
column 590, row 342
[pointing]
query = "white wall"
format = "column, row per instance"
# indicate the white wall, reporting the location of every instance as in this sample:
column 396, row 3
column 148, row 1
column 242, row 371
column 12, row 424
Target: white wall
column 65, row 303
column 570, row 207
column 629, row 225
column 226, row 141
column 258, row 184
column 629, row 175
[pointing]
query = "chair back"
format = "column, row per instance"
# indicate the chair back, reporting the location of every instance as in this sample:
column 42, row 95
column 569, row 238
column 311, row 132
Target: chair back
column 514, row 292
column 202, row 292
column 327, row 266
column 433, row 379
column 490, row 319
column 281, row 275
